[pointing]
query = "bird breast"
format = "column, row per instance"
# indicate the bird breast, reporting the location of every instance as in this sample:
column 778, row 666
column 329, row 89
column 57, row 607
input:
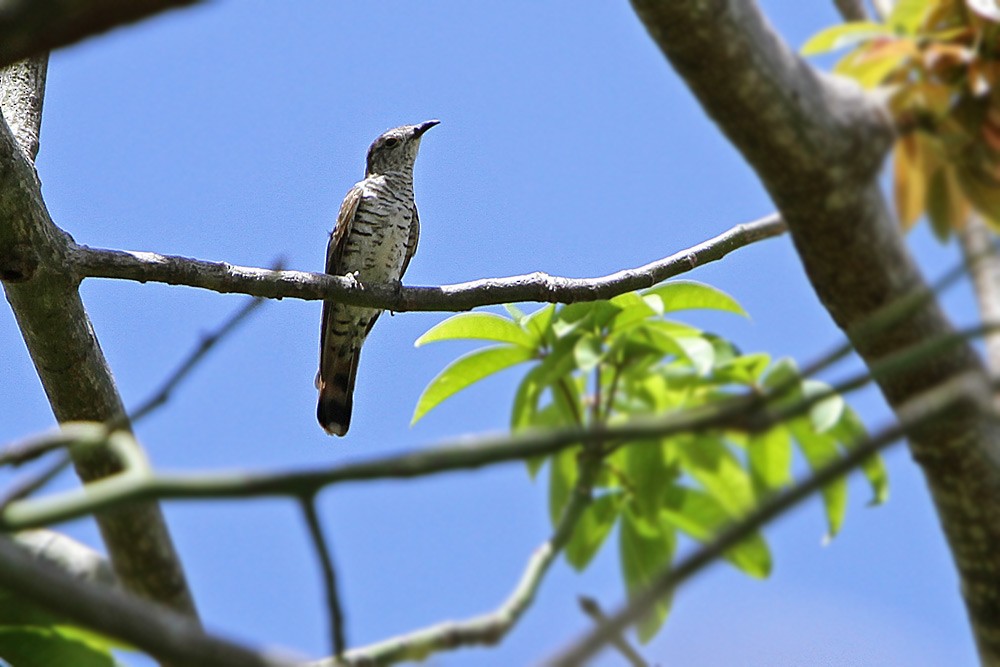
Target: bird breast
column 376, row 246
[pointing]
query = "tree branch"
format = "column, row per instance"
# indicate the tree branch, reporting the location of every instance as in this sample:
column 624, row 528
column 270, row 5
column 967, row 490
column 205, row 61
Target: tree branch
column 38, row 26
column 226, row 278
column 62, row 344
column 983, row 263
column 817, row 144
column 162, row 633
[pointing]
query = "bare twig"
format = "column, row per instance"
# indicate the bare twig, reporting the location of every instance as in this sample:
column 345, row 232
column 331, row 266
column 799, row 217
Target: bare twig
column 918, row 410
column 487, row 629
column 337, row 638
column 30, row 448
column 593, row 610
column 209, row 341
column 23, row 488
column 226, row 278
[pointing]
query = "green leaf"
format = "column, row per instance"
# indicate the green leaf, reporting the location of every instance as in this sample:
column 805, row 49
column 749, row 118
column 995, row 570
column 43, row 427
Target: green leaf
column 592, row 529
column 849, row 431
column 649, row 475
column 688, row 295
column 820, row 449
column 645, row 549
column 588, row 352
column 700, row 516
column 466, row 370
column 45, row 646
column 669, row 340
column 828, row 411
column 635, row 308
column 707, row 459
column 770, row 457
column 842, row 36
column 514, row 312
column 556, row 365
column 745, row 369
column 538, row 323
column 563, row 472
column 908, row 15
column 478, row 326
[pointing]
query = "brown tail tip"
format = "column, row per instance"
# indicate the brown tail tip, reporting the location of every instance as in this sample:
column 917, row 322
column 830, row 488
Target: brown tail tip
column 334, row 414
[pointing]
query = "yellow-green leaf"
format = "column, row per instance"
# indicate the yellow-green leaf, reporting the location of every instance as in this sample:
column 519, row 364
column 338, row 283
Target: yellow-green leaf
column 699, row 515
column 843, row 35
column 466, row 370
column 820, row 449
column 478, row 326
column 909, row 187
column 645, row 550
column 689, row 295
column 592, row 529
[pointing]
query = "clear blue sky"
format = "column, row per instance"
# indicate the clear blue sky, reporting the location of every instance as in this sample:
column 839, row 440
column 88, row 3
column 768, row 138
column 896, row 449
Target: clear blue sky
column 231, row 132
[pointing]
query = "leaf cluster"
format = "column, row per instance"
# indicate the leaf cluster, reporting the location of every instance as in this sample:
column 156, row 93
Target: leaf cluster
column 607, row 362
column 939, row 60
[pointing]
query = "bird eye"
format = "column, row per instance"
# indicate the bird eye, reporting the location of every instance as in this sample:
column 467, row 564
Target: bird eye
column 390, row 142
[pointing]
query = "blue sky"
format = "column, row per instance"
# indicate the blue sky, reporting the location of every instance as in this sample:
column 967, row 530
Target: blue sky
column 232, row 131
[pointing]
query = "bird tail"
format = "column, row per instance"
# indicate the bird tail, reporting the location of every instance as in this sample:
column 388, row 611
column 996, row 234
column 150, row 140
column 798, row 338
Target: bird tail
column 336, row 393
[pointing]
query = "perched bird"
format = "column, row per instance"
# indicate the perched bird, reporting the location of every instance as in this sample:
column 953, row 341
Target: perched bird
column 374, row 239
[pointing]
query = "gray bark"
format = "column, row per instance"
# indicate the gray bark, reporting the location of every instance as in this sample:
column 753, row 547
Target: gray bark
column 817, row 144
column 60, row 339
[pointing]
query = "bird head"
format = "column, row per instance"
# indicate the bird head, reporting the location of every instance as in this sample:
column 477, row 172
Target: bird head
column 396, row 149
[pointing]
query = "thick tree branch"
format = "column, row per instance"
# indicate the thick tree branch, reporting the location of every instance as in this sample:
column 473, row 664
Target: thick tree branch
column 817, row 144
column 160, row 632
column 38, row 26
column 983, row 262
column 221, row 277
column 62, row 344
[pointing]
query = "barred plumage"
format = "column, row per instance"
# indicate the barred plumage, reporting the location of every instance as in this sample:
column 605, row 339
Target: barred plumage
column 374, row 239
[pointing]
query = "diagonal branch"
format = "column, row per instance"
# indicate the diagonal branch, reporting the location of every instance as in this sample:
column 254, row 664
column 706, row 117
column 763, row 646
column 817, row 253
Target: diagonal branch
column 62, row 344
column 221, row 277
column 750, row 413
column 916, row 411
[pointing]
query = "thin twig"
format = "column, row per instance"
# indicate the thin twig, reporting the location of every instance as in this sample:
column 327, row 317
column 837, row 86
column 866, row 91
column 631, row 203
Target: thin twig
column 31, row 448
column 25, row 487
column 913, row 413
column 337, row 636
column 209, row 341
column 593, row 610
column 487, row 629
column 227, row 278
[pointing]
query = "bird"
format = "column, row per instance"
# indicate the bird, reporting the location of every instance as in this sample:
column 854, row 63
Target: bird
column 373, row 241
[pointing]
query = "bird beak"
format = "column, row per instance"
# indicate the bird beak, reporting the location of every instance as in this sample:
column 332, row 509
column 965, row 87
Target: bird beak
column 423, row 127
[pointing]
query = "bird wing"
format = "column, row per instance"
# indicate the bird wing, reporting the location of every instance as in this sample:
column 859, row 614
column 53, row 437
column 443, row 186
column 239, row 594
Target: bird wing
column 334, row 253
column 411, row 241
